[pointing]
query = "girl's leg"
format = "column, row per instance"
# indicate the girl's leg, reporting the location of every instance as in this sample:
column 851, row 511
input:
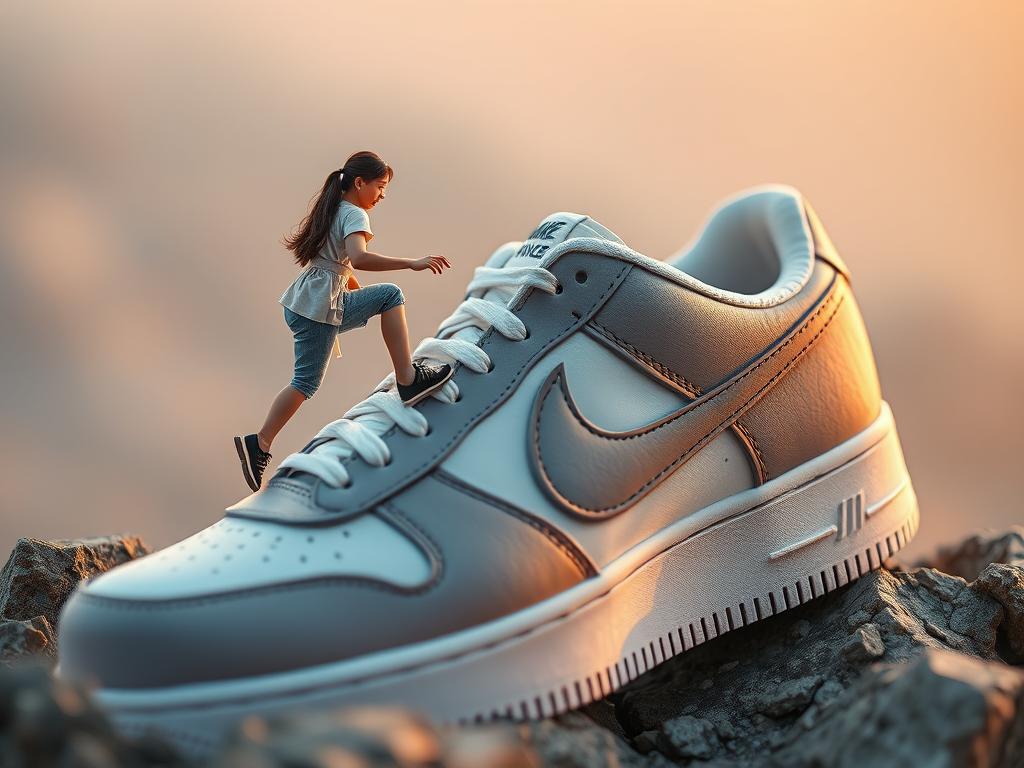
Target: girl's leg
column 388, row 301
column 396, row 336
column 313, row 342
column 282, row 409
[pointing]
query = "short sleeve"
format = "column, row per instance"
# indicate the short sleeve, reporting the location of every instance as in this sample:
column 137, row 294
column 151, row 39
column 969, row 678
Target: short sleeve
column 355, row 220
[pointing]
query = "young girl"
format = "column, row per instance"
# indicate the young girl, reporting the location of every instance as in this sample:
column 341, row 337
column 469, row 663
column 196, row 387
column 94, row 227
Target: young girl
column 326, row 300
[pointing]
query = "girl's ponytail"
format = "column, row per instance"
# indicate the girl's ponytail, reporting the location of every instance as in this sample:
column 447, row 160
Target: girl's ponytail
column 307, row 242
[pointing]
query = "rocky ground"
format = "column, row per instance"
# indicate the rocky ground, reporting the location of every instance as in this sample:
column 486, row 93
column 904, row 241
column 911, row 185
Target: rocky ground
column 908, row 665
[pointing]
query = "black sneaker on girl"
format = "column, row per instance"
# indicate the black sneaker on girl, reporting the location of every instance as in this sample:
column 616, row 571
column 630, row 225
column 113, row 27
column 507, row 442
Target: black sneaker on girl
column 254, row 460
column 428, row 378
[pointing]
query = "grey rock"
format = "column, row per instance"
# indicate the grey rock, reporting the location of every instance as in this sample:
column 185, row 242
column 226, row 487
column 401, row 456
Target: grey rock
column 1005, row 583
column 21, row 638
column 969, row 557
column 39, row 576
column 45, row 722
column 943, row 585
column 602, row 712
column 977, row 619
column 864, row 645
column 689, row 737
column 725, row 730
column 941, row 709
column 572, row 741
column 827, row 692
column 857, row 618
column 370, row 736
column 789, row 697
column 800, row 629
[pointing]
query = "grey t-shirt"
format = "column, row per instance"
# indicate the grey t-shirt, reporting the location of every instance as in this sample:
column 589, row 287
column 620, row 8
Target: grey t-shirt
column 317, row 292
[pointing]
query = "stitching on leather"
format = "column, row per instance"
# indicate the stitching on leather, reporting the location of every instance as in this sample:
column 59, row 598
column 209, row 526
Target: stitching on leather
column 738, row 379
column 433, row 548
column 514, row 380
column 189, row 602
column 293, row 487
column 833, row 292
column 553, row 535
column 433, row 552
column 692, row 389
column 762, row 466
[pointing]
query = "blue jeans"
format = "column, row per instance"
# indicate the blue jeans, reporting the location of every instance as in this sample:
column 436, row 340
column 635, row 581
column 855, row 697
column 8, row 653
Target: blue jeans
column 313, row 340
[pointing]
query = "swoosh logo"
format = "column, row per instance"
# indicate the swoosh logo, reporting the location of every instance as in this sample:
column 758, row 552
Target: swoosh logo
column 590, row 471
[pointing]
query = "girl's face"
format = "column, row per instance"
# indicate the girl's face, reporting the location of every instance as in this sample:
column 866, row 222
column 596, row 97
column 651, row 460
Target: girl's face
column 369, row 193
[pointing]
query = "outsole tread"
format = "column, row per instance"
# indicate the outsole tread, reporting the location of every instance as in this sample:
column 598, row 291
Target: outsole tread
column 819, row 585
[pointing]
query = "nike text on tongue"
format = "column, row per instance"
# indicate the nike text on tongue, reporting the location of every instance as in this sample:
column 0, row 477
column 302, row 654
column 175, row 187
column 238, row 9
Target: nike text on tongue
column 546, row 231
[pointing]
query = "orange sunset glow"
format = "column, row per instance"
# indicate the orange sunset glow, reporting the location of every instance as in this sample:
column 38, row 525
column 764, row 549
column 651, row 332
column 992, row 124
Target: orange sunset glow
column 152, row 158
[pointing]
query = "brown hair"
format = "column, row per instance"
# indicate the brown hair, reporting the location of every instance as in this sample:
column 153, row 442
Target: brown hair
column 312, row 233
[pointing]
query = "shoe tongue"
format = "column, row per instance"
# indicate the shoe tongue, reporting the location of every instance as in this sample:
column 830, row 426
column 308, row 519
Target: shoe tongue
column 552, row 230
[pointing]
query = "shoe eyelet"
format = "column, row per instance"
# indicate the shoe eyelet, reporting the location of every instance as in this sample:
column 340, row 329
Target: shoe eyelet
column 581, row 276
column 526, row 336
column 490, row 366
column 457, row 398
column 429, row 430
column 558, row 288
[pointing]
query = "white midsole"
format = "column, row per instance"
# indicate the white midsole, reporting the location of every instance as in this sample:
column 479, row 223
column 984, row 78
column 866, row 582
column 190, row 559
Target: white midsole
column 775, row 534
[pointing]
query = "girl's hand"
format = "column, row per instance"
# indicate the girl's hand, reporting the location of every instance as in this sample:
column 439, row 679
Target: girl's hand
column 436, row 264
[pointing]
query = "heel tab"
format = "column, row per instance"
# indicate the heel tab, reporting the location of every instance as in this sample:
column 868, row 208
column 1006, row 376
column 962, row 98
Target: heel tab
column 823, row 246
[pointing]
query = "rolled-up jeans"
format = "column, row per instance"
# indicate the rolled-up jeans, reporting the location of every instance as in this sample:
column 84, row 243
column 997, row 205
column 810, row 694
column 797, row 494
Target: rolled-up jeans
column 313, row 340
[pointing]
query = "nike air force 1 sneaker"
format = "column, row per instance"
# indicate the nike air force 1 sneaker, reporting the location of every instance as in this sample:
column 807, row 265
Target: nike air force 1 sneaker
column 631, row 458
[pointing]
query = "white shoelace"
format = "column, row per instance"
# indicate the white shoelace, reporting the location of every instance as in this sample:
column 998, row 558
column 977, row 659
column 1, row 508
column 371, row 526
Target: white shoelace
column 359, row 430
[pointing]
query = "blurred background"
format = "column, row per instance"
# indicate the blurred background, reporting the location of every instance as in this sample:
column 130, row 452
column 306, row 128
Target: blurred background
column 152, row 156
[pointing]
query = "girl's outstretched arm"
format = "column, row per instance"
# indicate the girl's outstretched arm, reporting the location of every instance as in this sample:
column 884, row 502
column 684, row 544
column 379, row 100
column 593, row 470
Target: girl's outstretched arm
column 355, row 249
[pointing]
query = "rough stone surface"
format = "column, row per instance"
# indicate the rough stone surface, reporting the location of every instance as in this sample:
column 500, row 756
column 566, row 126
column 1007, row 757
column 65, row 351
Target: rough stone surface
column 40, row 575
column 942, row 708
column 21, row 638
column 864, row 644
column 1005, row 583
column 901, row 667
column 371, row 736
column 969, row 557
column 44, row 722
column 574, row 740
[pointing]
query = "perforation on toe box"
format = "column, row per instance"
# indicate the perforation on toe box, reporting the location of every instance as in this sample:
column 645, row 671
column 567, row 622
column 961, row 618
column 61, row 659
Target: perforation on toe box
column 236, row 553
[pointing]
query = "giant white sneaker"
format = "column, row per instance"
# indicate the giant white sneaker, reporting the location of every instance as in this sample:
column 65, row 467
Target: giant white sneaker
column 631, row 458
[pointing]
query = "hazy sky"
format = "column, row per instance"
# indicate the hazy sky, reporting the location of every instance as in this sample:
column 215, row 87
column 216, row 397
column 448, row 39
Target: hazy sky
column 153, row 156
